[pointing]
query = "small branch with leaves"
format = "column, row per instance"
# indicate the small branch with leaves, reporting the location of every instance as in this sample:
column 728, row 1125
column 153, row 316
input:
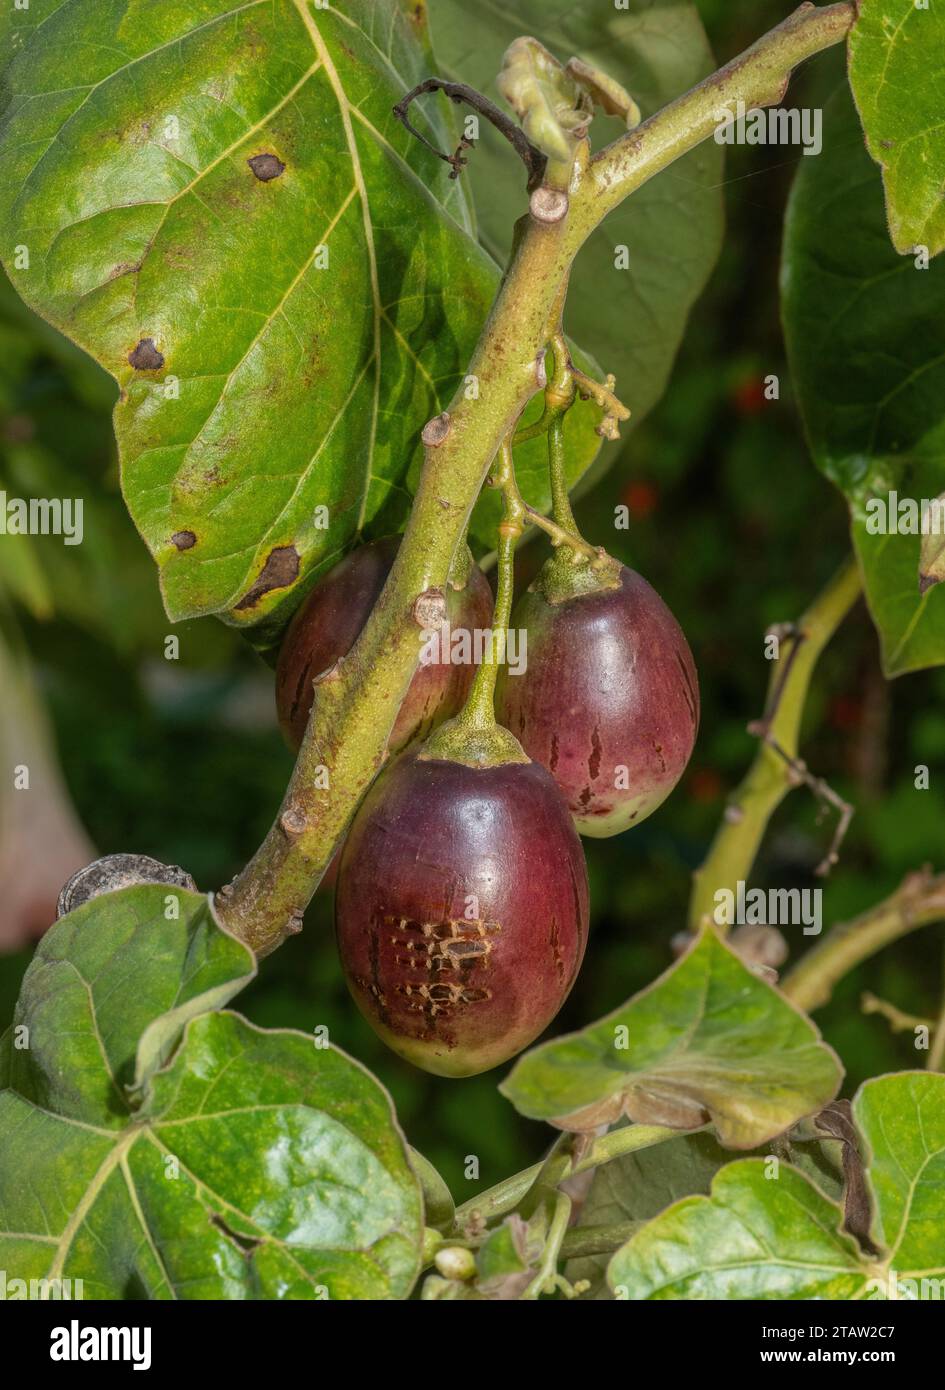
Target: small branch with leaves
column 356, row 704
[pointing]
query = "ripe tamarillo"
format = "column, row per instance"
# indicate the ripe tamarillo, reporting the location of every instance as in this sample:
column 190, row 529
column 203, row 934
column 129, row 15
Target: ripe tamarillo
column 329, row 621
column 609, row 698
column 461, row 907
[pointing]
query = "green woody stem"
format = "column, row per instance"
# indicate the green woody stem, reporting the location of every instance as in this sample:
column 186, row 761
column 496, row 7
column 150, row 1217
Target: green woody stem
column 773, row 773
column 480, row 707
column 919, row 902
column 505, row 1196
column 357, row 702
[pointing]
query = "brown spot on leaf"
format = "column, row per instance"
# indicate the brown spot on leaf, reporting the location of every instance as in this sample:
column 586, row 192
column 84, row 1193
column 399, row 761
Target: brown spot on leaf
column 184, row 540
column 266, row 167
column 124, row 268
column 145, row 357
column 280, row 569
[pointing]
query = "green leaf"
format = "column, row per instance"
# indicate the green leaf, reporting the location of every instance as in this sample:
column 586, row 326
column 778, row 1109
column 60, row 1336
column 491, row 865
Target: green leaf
column 638, row 1186
column 898, row 80
column 254, row 1165
column 754, row 1237
column 178, row 174
column 864, row 337
column 707, row 1040
column 761, row 1234
column 902, row 1119
column 108, row 992
column 632, row 320
column 439, row 1209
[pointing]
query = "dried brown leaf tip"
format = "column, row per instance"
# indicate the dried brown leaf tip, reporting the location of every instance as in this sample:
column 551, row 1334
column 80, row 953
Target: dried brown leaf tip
column 266, row 167
column 145, row 356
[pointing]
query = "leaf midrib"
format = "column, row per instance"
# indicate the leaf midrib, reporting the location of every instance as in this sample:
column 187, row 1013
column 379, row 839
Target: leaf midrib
column 344, row 110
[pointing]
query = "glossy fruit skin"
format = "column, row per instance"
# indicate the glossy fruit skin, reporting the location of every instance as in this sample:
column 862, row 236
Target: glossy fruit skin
column 328, row 623
column 610, row 684
column 461, row 910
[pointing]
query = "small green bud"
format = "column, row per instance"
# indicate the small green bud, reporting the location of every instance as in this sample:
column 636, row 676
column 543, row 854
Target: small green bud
column 552, row 107
column 456, row 1262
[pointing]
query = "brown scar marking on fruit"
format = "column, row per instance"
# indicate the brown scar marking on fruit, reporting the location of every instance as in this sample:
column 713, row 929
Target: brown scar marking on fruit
column 184, row 540
column 281, row 568
column 555, row 942
column 658, row 750
column 576, row 898
column 593, row 762
column 585, row 797
column 374, row 955
column 266, row 167
column 553, row 761
column 440, row 997
column 299, row 691
column 145, row 356
column 690, row 694
column 465, row 950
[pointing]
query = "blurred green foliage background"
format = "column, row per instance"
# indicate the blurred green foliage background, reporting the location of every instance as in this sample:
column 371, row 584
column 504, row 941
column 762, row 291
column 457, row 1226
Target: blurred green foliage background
column 730, row 522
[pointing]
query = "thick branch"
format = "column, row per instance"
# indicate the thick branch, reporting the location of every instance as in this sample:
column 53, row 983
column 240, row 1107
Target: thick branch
column 355, row 706
column 775, row 769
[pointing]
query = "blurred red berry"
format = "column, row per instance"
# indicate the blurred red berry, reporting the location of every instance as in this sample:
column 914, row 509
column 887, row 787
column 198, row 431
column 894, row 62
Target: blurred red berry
column 705, row 784
column 748, row 397
column 640, row 498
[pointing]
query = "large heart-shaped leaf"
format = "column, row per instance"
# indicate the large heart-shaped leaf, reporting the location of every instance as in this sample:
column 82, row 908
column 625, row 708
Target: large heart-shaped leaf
column 109, row 990
column 216, row 201
column 255, row 1164
column 866, row 345
column 771, row 1233
column 707, row 1040
column 629, row 310
column 898, row 79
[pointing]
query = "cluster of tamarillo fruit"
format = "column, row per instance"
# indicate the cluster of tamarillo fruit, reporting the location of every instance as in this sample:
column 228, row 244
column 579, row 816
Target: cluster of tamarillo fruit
column 462, row 897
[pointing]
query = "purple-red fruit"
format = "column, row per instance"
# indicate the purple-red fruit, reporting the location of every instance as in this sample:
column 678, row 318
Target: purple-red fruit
column 608, row 700
column 461, row 910
column 328, row 623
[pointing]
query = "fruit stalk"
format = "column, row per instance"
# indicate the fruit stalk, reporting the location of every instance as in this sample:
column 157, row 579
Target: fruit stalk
column 354, row 711
column 480, row 707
